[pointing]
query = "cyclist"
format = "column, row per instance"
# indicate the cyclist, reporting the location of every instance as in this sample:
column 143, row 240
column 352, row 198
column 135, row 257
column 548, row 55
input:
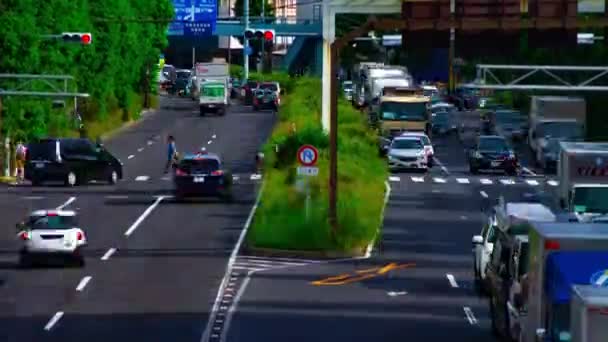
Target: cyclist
column 20, row 154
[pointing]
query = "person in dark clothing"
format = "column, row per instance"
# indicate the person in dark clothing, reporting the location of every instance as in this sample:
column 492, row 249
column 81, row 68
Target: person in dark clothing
column 171, row 152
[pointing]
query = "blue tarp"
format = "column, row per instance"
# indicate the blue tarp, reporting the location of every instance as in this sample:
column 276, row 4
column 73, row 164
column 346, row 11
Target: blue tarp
column 568, row 268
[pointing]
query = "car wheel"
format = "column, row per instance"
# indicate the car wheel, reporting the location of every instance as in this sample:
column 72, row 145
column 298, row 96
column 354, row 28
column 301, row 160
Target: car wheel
column 495, row 330
column 473, row 170
column 113, row 177
column 71, row 179
column 25, row 260
column 202, row 112
column 222, row 112
column 79, row 261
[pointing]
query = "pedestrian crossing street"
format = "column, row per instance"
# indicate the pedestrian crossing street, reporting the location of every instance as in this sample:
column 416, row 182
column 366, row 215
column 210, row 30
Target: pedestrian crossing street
column 235, row 178
column 246, row 264
column 474, row 180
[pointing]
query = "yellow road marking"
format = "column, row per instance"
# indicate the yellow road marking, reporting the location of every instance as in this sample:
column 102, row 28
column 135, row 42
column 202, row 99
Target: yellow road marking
column 360, row 275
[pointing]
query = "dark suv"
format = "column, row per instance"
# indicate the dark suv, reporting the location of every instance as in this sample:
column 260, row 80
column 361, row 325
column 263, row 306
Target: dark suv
column 73, row 161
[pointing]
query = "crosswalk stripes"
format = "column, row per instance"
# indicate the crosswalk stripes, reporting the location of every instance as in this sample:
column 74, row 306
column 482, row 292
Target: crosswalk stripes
column 483, row 181
column 235, row 178
column 256, row 264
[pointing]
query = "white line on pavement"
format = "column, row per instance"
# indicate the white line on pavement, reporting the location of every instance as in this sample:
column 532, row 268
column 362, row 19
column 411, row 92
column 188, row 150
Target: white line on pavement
column 117, row 197
column 418, row 179
column 507, row 181
column 209, row 142
column 439, row 180
column 232, row 309
column 143, row 216
column 394, row 179
column 553, row 183
column 462, row 180
column 53, row 320
column 255, row 176
column 140, row 149
column 443, row 168
column 485, row 181
column 108, row 254
column 150, row 142
column 142, row 178
column 213, row 136
column 33, row 197
column 68, row 202
column 483, row 194
column 83, row 283
column 203, row 148
column 452, row 280
column 528, row 171
column 532, row 182
column 131, row 156
column 470, row 316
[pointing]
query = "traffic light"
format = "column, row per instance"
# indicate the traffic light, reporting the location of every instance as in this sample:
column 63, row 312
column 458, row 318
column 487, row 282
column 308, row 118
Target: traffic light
column 77, row 37
column 266, row 34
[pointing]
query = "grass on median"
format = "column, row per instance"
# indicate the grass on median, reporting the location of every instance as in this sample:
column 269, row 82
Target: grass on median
column 280, row 221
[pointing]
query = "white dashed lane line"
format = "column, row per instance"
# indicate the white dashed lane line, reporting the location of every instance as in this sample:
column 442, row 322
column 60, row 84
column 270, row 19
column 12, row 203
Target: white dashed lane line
column 131, row 156
column 209, row 142
column 108, row 254
column 418, row 179
column 142, row 178
column 462, row 180
column 83, row 283
column 469, row 315
column 140, row 149
column 53, row 320
column 143, row 216
column 452, row 280
column 483, row 194
column 394, row 179
column 68, row 202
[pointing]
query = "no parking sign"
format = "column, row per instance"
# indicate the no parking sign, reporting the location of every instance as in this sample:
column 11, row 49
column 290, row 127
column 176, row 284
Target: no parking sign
column 307, row 157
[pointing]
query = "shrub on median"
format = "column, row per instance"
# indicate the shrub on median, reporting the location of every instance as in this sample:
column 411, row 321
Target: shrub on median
column 280, row 221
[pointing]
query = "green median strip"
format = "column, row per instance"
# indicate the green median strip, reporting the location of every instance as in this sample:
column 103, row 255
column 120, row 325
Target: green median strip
column 280, row 221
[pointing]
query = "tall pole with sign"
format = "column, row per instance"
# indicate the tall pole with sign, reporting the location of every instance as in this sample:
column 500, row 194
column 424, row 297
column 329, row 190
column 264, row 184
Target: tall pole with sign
column 307, row 158
column 246, row 42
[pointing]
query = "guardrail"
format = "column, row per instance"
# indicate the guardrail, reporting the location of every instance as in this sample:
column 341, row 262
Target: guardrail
column 268, row 20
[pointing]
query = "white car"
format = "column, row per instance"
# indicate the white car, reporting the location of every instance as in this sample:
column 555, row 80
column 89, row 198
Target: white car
column 48, row 233
column 407, row 153
column 428, row 146
column 483, row 245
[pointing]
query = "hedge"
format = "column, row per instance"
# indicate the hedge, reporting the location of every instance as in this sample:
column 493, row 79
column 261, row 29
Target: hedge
column 280, row 220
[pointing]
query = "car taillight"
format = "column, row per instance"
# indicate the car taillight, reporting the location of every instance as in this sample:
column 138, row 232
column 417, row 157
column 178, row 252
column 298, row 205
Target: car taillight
column 179, row 172
column 24, row 236
column 217, row 173
column 552, row 245
column 79, row 236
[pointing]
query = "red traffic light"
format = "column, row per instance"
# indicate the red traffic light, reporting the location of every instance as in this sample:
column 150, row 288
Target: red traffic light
column 268, row 35
column 86, row 38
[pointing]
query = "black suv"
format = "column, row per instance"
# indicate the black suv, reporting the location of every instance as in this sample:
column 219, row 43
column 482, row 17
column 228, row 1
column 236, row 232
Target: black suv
column 73, row 161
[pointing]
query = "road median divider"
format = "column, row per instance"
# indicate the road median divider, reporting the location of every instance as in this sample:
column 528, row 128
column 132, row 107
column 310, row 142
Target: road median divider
column 283, row 223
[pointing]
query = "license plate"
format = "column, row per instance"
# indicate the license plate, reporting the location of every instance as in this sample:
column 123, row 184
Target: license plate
column 199, row 179
column 39, row 165
column 211, row 106
column 495, row 163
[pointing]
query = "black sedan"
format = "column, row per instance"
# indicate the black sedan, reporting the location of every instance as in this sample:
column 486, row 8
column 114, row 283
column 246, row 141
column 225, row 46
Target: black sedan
column 201, row 175
column 491, row 152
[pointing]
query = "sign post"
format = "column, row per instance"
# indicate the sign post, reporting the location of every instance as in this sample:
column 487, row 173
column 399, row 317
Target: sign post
column 307, row 157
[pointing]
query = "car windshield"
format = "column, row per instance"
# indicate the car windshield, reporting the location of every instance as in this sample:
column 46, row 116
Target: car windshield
column 183, row 75
column 199, row 165
column 560, row 130
column 52, row 222
column 591, row 200
column 407, row 144
column 404, row 111
column 441, row 117
column 493, row 144
column 269, row 86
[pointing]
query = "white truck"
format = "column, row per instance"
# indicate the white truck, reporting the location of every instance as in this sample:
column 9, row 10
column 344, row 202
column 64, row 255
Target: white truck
column 213, row 84
column 373, row 89
column 555, row 117
column 583, row 179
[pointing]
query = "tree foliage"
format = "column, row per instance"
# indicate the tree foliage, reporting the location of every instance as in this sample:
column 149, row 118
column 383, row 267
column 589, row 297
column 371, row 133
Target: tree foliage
column 113, row 69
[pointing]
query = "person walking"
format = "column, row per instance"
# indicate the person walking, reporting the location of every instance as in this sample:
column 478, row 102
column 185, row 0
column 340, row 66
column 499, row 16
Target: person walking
column 20, row 155
column 171, row 152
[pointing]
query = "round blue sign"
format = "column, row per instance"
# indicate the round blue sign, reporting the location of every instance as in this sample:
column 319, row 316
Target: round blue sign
column 599, row 278
column 248, row 50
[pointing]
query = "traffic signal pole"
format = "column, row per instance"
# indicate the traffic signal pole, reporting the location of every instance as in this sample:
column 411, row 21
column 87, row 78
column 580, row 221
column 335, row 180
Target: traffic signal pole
column 246, row 43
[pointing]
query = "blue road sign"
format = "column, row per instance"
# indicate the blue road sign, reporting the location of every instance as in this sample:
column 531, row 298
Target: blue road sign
column 248, row 50
column 193, row 18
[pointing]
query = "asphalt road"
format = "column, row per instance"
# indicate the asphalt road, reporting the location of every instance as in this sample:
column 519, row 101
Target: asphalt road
column 418, row 286
column 153, row 266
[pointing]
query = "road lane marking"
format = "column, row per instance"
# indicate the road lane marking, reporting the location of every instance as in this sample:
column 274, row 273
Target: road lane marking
column 507, row 181
column 452, row 280
column 483, row 194
column 235, row 178
column 68, row 202
column 396, row 293
column 463, row 217
column 394, row 179
column 528, row 171
column 213, row 136
column 443, row 168
column 462, row 180
column 143, row 216
column 255, row 176
column 140, row 149
column 150, row 142
column 234, row 305
column 108, row 254
column 470, row 316
column 142, row 178
column 113, row 197
column 532, row 182
column 83, row 283
column 32, row 197
column 347, row 278
column 439, row 180
column 553, row 183
column 130, row 156
column 209, row 142
column 485, row 181
column 418, row 179
column 53, row 320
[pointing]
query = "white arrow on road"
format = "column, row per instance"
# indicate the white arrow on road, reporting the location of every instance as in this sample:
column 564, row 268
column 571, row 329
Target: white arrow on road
column 395, row 294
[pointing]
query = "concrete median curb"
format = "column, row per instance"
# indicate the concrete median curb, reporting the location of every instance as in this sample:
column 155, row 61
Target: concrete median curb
column 302, row 254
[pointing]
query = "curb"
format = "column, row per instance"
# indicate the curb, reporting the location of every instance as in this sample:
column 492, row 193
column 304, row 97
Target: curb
column 302, row 254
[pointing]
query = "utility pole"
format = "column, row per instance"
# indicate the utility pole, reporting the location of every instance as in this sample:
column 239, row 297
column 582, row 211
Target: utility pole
column 246, row 47
column 333, row 140
column 451, row 53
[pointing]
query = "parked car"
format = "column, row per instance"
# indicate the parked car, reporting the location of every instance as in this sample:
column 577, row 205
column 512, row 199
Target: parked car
column 72, row 161
column 491, row 152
